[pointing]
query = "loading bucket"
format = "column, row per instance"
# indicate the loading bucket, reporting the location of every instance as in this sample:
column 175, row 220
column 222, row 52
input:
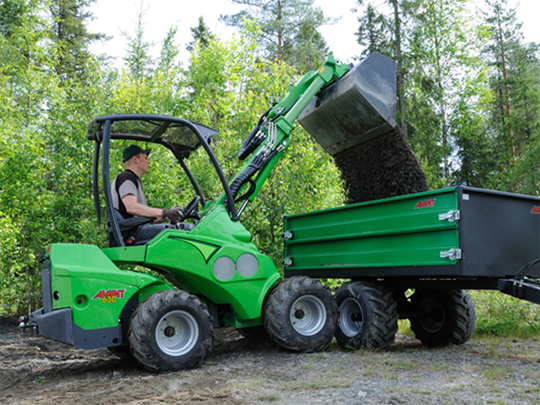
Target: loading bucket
column 358, row 107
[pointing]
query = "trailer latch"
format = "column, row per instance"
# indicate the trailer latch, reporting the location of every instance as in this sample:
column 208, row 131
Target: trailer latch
column 288, row 235
column 452, row 254
column 287, row 261
column 451, row 216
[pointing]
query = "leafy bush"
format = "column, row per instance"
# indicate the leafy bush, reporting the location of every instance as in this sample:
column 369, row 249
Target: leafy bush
column 502, row 315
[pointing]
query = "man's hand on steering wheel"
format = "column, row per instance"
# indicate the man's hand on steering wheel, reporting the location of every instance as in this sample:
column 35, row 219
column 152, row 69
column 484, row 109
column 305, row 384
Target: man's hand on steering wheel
column 191, row 209
column 174, row 214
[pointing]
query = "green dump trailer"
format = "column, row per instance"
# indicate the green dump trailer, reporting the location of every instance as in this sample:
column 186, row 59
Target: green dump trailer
column 436, row 243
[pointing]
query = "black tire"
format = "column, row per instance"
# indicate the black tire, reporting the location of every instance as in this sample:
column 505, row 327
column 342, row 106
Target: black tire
column 171, row 330
column 300, row 315
column 367, row 316
column 445, row 317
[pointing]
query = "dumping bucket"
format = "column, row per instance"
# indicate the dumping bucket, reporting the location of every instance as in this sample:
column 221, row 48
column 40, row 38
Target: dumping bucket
column 358, row 107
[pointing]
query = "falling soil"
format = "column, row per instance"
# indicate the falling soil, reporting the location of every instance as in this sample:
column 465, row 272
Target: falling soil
column 382, row 167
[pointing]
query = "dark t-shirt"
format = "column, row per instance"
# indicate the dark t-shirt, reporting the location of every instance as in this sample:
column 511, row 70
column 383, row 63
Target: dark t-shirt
column 126, row 183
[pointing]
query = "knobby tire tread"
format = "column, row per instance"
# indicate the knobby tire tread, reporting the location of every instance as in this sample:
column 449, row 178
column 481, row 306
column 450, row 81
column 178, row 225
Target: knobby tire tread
column 380, row 321
column 142, row 329
column 460, row 318
column 276, row 315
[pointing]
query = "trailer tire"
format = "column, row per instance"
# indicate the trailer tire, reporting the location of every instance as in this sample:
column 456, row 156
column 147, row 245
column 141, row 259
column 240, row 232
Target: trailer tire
column 300, row 315
column 367, row 316
column 446, row 317
column 171, row 330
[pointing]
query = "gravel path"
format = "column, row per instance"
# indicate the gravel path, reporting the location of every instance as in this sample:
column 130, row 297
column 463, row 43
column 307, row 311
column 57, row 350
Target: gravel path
column 498, row 370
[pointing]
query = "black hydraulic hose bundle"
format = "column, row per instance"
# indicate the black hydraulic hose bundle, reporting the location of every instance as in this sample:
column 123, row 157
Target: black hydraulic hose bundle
column 256, row 164
column 254, row 139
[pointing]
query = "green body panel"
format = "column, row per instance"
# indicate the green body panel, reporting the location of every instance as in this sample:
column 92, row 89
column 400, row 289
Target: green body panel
column 189, row 258
column 84, row 279
column 399, row 231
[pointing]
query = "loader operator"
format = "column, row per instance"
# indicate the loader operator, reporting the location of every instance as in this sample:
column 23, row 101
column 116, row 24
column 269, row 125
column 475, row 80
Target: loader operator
column 128, row 195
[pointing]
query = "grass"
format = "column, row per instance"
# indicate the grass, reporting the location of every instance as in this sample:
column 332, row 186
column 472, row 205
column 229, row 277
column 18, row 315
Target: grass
column 269, row 398
column 502, row 315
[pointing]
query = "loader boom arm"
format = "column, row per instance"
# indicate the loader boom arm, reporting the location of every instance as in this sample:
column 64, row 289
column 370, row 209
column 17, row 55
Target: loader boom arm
column 268, row 140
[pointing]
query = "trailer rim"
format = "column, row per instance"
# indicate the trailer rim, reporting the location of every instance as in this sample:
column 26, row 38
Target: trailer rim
column 351, row 317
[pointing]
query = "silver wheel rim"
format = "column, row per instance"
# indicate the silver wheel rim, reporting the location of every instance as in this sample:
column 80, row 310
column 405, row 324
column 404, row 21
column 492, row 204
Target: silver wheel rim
column 308, row 315
column 177, row 333
column 351, row 317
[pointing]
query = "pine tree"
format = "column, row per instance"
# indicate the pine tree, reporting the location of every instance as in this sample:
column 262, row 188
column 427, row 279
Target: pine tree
column 201, row 35
column 375, row 32
column 71, row 36
column 138, row 55
column 515, row 84
column 288, row 30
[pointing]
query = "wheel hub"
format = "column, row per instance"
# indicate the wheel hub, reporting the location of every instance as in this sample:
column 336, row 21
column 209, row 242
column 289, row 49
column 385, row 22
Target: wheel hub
column 351, row 317
column 308, row 315
column 433, row 318
column 169, row 331
column 177, row 333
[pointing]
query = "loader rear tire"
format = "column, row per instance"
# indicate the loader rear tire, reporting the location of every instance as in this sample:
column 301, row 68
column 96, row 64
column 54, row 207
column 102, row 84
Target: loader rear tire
column 445, row 317
column 171, row 330
column 367, row 316
column 300, row 315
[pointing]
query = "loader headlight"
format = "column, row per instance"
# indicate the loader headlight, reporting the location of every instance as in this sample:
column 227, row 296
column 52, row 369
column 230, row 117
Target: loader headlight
column 247, row 265
column 224, row 268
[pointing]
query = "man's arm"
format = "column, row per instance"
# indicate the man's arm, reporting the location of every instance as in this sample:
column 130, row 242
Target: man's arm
column 135, row 208
column 140, row 210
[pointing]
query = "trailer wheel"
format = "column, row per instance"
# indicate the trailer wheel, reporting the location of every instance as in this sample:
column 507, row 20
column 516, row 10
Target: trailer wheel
column 300, row 315
column 367, row 316
column 171, row 330
column 446, row 317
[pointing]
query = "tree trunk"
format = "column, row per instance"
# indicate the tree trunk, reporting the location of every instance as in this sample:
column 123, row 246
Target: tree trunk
column 399, row 70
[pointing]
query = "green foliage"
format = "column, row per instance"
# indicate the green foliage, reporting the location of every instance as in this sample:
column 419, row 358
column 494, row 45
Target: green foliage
column 201, row 35
column 45, row 165
column 288, row 30
column 502, row 315
column 230, row 97
column 374, row 32
column 13, row 295
column 71, row 37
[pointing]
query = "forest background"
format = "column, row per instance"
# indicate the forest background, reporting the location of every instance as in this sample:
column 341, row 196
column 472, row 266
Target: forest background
column 468, row 100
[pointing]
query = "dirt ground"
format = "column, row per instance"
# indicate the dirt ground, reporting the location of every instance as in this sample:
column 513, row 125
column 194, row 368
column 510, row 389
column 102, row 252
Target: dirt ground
column 36, row 370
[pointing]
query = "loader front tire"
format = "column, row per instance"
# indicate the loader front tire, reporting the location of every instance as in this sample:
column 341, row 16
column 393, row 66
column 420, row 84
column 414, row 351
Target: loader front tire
column 367, row 316
column 444, row 317
column 171, row 330
column 300, row 315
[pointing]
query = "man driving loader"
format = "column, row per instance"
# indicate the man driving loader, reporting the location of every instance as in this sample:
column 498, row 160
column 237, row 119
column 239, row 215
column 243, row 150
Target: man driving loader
column 129, row 199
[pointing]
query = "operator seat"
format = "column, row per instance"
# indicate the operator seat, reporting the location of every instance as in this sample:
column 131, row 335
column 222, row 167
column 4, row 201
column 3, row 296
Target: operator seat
column 128, row 227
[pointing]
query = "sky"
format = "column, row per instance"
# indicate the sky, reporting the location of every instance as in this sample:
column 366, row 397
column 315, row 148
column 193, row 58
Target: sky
column 116, row 18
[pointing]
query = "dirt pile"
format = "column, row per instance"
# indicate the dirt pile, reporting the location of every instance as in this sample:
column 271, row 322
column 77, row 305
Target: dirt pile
column 382, row 167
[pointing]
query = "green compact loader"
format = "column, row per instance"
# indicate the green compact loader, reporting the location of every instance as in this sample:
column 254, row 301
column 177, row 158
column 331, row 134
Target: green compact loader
column 216, row 275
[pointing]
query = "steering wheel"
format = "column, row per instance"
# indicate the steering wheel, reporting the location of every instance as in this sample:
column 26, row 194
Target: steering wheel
column 191, row 209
